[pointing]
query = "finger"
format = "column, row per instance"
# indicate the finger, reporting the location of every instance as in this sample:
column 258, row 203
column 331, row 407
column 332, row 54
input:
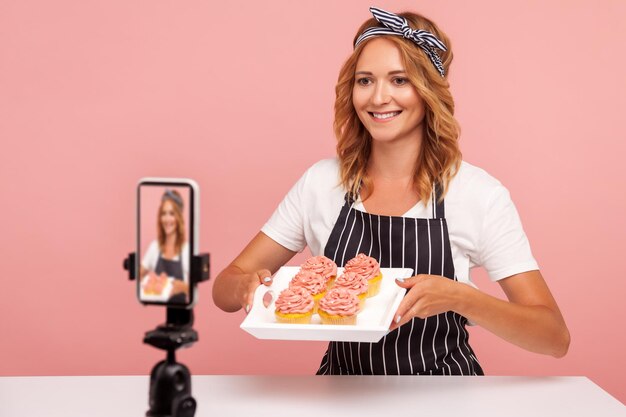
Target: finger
column 402, row 319
column 249, row 300
column 409, row 282
column 403, row 313
column 411, row 298
column 265, row 277
column 251, row 289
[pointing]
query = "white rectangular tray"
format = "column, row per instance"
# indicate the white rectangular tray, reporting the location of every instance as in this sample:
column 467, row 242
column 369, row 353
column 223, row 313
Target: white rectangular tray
column 372, row 323
column 163, row 297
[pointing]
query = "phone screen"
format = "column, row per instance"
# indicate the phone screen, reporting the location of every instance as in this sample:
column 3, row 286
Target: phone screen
column 165, row 231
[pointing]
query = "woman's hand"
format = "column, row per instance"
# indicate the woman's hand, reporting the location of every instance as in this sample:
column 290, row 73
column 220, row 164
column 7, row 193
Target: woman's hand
column 529, row 319
column 428, row 295
column 247, row 285
column 234, row 287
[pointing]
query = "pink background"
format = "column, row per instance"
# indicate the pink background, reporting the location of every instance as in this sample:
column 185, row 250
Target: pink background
column 238, row 95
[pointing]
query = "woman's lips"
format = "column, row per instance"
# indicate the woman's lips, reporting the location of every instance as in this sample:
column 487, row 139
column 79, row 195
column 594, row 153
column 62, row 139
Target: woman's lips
column 384, row 117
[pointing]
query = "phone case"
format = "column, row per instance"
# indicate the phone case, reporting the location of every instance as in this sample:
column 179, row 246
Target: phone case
column 160, row 286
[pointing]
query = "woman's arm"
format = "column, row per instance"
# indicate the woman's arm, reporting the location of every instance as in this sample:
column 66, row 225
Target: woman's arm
column 234, row 287
column 530, row 319
column 149, row 261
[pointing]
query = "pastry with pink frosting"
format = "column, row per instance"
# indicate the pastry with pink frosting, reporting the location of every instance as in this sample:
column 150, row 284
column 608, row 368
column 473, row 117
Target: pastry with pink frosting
column 367, row 267
column 323, row 266
column 339, row 306
column 294, row 305
column 354, row 283
column 155, row 284
column 312, row 282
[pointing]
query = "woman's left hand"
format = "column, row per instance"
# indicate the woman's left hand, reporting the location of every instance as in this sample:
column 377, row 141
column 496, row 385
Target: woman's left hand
column 427, row 295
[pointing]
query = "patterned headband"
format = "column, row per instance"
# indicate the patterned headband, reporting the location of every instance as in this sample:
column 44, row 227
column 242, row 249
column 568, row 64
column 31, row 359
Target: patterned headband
column 170, row 195
column 398, row 25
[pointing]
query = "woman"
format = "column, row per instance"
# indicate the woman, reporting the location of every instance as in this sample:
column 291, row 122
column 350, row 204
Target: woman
column 169, row 253
column 406, row 198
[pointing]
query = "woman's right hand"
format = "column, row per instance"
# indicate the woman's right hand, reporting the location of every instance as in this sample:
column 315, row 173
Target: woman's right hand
column 234, row 287
column 248, row 284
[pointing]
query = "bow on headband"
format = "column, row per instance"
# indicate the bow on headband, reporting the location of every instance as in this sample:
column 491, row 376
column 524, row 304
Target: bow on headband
column 398, row 25
column 170, row 195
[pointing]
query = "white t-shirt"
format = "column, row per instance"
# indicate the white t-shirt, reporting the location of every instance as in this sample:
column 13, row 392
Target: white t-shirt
column 483, row 224
column 151, row 258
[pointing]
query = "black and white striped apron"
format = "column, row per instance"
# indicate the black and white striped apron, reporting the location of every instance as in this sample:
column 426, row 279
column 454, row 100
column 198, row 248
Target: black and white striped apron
column 172, row 269
column 437, row 345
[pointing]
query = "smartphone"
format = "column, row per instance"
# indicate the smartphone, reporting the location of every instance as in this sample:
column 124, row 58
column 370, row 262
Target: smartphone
column 167, row 239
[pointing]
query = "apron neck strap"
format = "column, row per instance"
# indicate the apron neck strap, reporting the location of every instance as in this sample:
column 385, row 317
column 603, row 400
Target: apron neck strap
column 349, row 198
column 438, row 206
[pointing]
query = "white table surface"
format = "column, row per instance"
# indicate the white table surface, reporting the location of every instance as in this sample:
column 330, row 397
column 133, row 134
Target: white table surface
column 316, row 396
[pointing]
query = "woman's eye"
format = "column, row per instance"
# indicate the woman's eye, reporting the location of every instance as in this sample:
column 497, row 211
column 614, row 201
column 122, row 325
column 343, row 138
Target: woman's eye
column 363, row 81
column 400, row 81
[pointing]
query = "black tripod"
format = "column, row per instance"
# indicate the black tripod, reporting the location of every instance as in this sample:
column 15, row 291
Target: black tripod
column 170, row 381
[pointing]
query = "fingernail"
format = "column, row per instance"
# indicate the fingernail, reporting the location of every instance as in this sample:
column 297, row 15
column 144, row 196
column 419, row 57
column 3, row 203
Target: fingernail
column 397, row 320
column 267, row 279
column 400, row 279
column 247, row 308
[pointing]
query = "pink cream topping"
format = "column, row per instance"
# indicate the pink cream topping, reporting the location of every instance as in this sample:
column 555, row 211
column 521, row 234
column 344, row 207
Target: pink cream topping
column 294, row 300
column 352, row 282
column 313, row 282
column 340, row 302
column 320, row 265
column 363, row 265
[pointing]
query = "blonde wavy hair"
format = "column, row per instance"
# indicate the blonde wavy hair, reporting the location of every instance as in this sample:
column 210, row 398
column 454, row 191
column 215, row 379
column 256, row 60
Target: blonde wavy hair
column 440, row 156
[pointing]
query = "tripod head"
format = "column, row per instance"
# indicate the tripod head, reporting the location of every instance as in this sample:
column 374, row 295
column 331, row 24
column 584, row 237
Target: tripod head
column 175, row 333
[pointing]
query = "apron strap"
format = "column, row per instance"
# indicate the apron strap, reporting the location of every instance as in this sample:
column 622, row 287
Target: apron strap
column 438, row 207
column 333, row 239
column 349, row 198
column 439, row 211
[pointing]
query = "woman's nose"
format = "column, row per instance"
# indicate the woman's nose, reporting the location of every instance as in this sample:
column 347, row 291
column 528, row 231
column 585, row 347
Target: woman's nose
column 382, row 94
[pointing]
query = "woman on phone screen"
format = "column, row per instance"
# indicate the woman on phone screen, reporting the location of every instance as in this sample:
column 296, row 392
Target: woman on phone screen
column 399, row 191
column 168, row 255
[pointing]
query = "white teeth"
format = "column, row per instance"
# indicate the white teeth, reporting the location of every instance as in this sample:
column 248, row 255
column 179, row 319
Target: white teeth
column 386, row 115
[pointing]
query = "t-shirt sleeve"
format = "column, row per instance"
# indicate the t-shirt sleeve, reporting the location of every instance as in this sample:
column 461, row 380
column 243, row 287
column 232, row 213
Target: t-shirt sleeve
column 185, row 261
column 503, row 248
column 151, row 257
column 286, row 225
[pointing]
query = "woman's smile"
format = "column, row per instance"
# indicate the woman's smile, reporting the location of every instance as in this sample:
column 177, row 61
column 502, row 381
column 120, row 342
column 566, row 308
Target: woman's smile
column 384, row 117
column 169, row 227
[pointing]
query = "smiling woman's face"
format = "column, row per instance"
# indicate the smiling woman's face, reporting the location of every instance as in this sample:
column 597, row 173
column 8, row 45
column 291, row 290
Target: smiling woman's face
column 385, row 101
column 168, row 218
